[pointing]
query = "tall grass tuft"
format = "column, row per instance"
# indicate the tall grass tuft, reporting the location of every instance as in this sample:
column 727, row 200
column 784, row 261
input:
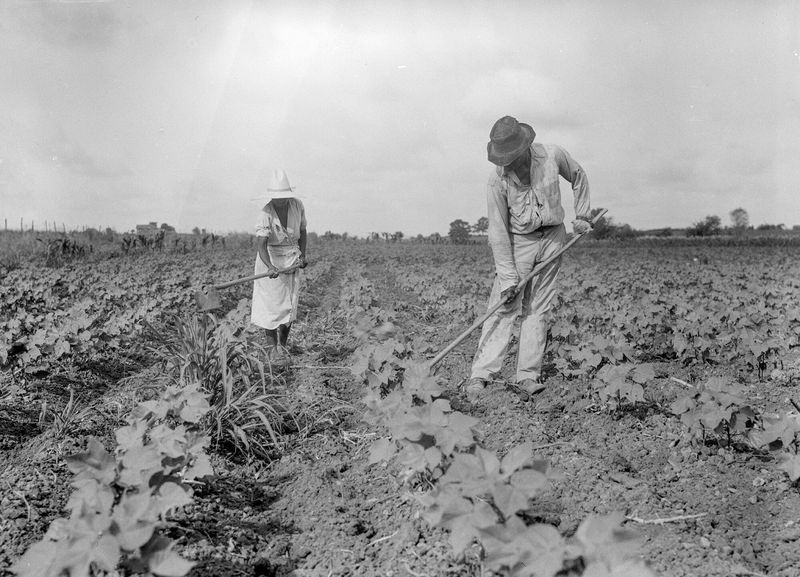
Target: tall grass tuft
column 66, row 420
column 249, row 415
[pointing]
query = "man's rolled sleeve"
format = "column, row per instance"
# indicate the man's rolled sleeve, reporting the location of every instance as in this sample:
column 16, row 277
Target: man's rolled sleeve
column 499, row 235
column 570, row 170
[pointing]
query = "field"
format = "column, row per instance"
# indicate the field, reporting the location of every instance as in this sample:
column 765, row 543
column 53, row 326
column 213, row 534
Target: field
column 666, row 442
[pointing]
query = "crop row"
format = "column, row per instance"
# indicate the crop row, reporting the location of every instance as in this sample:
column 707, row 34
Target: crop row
column 480, row 497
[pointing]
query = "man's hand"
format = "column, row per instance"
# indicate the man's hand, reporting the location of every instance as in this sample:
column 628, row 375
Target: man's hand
column 273, row 272
column 508, row 294
column 303, row 262
column 581, row 226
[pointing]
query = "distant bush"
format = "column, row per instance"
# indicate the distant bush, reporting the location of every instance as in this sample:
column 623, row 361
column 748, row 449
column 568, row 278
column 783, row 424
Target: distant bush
column 605, row 228
column 711, row 226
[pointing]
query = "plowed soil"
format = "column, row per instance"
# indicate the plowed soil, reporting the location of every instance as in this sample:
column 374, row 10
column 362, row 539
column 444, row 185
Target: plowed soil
column 319, row 508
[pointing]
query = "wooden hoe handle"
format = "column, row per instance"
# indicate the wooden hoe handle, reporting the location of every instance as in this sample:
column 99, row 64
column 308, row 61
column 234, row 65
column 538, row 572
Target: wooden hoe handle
column 254, row 277
column 536, row 270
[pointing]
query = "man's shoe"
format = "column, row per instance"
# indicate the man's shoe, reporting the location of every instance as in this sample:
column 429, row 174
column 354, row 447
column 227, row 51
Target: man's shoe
column 526, row 388
column 474, row 388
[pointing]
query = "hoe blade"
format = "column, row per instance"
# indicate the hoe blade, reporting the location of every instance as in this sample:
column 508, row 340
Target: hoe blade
column 208, row 300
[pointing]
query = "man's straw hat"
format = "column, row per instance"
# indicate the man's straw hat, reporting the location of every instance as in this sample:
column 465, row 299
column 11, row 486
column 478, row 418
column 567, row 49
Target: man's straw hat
column 507, row 140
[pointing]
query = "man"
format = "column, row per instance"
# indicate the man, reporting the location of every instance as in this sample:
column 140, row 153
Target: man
column 525, row 228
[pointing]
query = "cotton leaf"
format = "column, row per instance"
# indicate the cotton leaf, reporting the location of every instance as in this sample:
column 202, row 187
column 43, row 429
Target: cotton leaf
column 537, row 550
column 783, row 429
column 62, row 348
column 683, row 405
column 40, row 560
column 634, row 393
column 167, row 563
column 144, row 410
column 468, row 473
column 791, row 464
column 489, row 460
column 134, row 520
column 418, row 380
column 461, row 536
column 509, row 499
column 712, row 417
column 171, row 496
column 742, row 419
column 138, row 465
column 442, row 506
column 134, row 505
column 60, row 529
column 131, row 435
column 721, row 385
column 516, row 458
column 106, row 553
column 77, row 560
column 604, row 538
column 436, row 415
column 195, row 402
column 170, row 442
column 95, row 463
column 377, row 379
column 141, row 458
column 529, row 481
column 433, row 457
column 500, row 543
column 90, row 493
column 411, row 424
column 413, row 456
column 360, row 364
column 679, row 343
column 547, row 547
column 643, row 373
column 384, row 352
column 613, row 374
column 442, row 405
column 588, row 357
column 134, row 533
column 456, row 433
column 195, row 409
column 465, row 528
column 201, row 468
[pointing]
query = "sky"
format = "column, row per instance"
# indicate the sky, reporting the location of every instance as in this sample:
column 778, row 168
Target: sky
column 116, row 113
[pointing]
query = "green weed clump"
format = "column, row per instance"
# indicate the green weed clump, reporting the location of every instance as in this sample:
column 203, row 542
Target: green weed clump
column 247, row 412
column 62, row 422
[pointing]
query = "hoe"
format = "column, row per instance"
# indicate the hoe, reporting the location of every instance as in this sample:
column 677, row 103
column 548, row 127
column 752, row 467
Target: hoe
column 208, row 299
column 521, row 286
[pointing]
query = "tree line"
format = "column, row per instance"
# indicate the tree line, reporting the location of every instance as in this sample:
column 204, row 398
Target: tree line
column 740, row 224
column 462, row 232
